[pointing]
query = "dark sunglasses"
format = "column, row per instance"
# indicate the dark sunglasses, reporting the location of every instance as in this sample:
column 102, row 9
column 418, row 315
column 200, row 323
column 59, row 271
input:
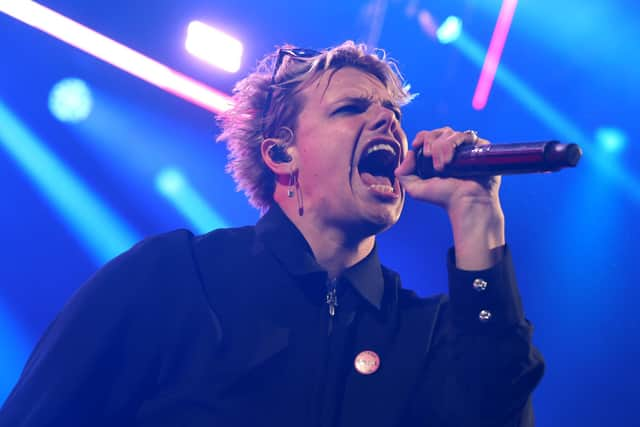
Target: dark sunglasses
column 293, row 52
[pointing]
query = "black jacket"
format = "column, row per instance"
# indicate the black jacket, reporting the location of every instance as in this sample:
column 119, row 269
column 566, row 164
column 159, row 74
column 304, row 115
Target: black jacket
column 232, row 329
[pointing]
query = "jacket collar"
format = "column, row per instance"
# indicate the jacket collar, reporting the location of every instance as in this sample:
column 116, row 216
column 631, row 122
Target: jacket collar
column 287, row 243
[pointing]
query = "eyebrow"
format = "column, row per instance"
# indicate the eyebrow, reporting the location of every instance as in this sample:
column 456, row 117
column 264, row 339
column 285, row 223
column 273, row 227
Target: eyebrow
column 362, row 99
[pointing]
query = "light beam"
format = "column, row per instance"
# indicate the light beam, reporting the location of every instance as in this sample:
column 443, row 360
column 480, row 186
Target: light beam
column 172, row 184
column 494, row 53
column 116, row 54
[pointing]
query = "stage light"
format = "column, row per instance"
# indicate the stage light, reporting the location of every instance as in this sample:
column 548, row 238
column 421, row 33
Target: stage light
column 213, row 46
column 172, row 184
column 449, row 30
column 116, row 54
column 494, row 53
column 15, row 350
column 103, row 233
column 611, row 139
column 427, row 23
column 70, row 100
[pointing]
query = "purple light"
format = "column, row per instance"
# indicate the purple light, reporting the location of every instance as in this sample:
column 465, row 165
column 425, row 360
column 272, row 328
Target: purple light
column 492, row 60
column 427, row 23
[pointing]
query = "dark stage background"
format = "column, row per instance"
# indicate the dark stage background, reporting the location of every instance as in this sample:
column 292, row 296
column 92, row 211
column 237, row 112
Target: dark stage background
column 144, row 161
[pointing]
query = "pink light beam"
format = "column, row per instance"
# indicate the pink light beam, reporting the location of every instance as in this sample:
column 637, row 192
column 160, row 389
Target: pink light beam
column 492, row 60
column 116, row 54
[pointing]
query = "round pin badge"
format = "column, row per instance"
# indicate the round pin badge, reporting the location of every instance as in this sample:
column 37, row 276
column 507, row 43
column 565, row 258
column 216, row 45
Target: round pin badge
column 367, row 362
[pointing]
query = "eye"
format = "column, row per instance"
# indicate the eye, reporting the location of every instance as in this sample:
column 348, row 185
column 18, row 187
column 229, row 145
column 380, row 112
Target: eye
column 350, row 109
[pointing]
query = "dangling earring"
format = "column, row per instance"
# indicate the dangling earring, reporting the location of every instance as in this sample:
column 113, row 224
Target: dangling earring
column 292, row 181
column 298, row 195
column 294, row 188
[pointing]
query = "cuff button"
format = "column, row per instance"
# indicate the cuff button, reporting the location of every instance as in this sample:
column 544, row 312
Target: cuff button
column 479, row 285
column 484, row 316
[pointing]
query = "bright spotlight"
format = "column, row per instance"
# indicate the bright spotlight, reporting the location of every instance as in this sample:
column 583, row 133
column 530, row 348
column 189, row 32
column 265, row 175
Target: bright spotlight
column 213, row 46
column 449, row 30
column 170, row 181
column 70, row 100
column 611, row 139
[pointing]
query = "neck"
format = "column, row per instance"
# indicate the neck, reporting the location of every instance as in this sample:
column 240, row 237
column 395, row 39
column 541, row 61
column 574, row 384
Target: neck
column 334, row 249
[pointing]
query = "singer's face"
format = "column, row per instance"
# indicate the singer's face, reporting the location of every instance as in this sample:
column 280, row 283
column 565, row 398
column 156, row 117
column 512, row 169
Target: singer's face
column 349, row 141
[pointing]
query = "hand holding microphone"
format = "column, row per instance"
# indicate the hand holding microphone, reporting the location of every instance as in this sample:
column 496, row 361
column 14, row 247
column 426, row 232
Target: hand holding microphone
column 447, row 153
column 473, row 203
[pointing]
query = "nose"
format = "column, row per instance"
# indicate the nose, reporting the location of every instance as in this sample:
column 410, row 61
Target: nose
column 383, row 120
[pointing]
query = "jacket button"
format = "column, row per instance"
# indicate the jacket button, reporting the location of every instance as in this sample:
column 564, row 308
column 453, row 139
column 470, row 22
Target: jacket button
column 367, row 362
column 479, row 285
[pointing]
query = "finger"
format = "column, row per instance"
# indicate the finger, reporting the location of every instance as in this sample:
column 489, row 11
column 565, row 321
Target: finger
column 435, row 146
column 419, row 139
column 408, row 165
column 442, row 130
column 422, row 140
column 443, row 149
column 410, row 183
column 429, row 135
column 415, row 186
column 441, row 144
column 446, row 150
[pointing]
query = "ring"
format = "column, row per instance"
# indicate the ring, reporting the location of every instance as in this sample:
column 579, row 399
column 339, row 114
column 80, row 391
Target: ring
column 473, row 133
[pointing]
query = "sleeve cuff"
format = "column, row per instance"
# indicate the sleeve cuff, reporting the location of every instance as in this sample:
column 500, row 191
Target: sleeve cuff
column 485, row 299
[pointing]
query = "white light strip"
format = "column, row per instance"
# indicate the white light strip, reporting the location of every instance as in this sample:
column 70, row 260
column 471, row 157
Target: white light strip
column 115, row 53
column 213, row 46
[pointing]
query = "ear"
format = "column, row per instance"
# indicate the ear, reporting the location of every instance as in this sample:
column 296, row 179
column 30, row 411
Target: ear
column 279, row 153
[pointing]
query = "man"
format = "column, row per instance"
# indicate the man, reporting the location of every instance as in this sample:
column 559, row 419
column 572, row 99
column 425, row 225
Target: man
column 294, row 322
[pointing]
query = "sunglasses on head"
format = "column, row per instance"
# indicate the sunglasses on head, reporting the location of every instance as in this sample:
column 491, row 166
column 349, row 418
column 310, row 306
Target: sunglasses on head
column 294, row 53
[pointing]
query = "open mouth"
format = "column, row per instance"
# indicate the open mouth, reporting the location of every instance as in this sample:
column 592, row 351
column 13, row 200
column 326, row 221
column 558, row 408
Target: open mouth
column 377, row 164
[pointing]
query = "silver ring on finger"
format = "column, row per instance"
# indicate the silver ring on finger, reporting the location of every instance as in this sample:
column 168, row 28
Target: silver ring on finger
column 474, row 135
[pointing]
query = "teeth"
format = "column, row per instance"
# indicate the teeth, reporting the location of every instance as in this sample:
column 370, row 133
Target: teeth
column 385, row 147
column 382, row 187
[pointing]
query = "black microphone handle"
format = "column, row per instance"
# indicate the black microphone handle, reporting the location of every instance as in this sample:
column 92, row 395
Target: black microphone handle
column 502, row 159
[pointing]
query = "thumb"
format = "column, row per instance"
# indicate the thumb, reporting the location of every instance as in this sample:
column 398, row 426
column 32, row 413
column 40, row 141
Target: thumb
column 408, row 165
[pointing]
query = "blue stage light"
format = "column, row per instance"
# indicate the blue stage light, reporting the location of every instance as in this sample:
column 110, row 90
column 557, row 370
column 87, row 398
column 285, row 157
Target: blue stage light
column 611, row 139
column 70, row 100
column 449, row 30
column 15, row 350
column 91, row 220
column 171, row 183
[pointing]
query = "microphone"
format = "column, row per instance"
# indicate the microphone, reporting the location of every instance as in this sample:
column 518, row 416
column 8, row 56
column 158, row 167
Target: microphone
column 502, row 159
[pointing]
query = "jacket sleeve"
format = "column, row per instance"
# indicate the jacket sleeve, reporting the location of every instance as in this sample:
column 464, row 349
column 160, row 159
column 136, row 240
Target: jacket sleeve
column 99, row 357
column 482, row 365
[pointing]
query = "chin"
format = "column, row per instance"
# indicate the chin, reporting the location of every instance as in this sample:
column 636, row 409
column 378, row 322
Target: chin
column 384, row 218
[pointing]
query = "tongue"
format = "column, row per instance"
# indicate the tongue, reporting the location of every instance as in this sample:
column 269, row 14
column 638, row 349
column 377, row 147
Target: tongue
column 370, row 179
